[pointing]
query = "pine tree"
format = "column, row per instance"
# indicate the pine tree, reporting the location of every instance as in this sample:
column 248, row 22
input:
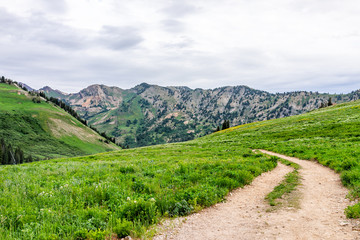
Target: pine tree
column 330, row 102
column 228, row 124
column 223, row 127
column 19, row 156
column 11, row 157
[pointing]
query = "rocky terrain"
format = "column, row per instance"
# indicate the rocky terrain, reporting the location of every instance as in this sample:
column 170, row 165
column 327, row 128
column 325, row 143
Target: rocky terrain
column 151, row 114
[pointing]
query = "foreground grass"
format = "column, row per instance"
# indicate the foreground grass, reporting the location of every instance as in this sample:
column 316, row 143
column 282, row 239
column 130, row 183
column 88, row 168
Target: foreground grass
column 120, row 193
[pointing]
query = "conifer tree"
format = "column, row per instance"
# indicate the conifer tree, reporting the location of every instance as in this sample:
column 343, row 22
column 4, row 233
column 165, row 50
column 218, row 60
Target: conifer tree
column 228, row 124
column 224, row 125
column 330, row 102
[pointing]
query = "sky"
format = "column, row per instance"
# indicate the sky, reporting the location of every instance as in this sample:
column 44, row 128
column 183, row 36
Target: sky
column 271, row 45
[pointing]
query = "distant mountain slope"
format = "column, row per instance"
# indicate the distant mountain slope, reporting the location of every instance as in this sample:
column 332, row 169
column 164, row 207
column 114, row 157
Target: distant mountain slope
column 150, row 114
column 43, row 130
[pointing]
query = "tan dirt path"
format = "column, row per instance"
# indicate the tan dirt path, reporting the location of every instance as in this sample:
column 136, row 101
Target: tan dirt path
column 244, row 215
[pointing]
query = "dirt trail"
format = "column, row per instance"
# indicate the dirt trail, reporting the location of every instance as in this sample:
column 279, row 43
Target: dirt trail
column 244, row 215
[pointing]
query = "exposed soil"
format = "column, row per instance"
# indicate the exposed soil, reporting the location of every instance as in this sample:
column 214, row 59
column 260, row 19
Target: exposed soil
column 245, row 215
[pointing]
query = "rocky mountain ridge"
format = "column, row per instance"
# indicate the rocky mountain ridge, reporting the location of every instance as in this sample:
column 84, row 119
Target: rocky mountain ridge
column 150, row 114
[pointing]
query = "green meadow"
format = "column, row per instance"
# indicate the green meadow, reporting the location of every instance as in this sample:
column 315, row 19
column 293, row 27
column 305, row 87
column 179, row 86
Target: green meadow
column 126, row 192
column 40, row 128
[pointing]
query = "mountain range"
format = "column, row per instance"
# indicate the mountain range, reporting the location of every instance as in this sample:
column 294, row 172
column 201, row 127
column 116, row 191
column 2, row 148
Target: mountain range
column 150, row 114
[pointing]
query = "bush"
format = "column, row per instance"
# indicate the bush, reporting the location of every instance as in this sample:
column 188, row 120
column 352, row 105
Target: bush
column 97, row 235
column 353, row 211
column 141, row 211
column 80, row 234
column 181, row 208
column 349, row 178
column 123, row 228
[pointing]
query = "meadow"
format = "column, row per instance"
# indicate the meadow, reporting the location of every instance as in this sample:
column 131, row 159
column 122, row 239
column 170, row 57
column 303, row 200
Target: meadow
column 330, row 136
column 121, row 192
column 126, row 192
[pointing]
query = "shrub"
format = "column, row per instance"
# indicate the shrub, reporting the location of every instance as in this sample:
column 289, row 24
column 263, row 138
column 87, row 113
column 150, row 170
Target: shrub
column 123, row 228
column 349, row 178
column 181, row 208
column 80, row 234
column 353, row 211
column 141, row 211
column 96, row 235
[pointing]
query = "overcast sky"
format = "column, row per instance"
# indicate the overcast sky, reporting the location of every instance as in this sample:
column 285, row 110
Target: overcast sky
column 272, row 45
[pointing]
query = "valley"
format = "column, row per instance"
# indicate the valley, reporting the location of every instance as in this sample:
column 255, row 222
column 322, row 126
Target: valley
column 128, row 192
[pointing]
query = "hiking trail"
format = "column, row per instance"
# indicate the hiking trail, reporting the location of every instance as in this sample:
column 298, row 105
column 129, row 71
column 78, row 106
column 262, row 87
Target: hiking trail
column 245, row 215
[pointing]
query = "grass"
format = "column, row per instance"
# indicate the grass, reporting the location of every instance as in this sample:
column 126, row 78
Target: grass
column 43, row 130
column 98, row 194
column 288, row 185
column 330, row 136
column 117, row 193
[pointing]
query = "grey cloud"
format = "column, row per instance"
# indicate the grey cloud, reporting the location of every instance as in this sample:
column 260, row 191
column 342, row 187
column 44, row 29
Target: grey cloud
column 178, row 9
column 37, row 28
column 179, row 43
column 62, row 37
column 119, row 38
column 172, row 25
column 57, row 6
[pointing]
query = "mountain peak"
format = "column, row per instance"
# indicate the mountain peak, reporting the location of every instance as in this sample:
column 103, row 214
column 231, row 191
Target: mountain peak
column 53, row 92
column 138, row 89
column 46, row 89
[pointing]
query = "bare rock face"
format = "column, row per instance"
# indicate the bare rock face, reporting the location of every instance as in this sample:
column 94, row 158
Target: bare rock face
column 150, row 114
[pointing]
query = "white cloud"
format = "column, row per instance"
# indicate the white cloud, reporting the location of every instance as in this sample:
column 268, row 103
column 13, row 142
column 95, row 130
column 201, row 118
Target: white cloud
column 274, row 45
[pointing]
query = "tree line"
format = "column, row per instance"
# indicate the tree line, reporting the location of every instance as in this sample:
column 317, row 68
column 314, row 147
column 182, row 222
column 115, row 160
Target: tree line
column 225, row 125
column 10, row 156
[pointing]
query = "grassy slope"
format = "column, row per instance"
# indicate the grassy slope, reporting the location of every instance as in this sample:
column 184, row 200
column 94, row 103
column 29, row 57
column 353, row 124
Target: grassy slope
column 42, row 129
column 87, row 196
column 330, row 136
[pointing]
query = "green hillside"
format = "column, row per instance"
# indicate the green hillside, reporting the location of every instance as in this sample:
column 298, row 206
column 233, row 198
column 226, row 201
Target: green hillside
column 43, row 130
column 125, row 192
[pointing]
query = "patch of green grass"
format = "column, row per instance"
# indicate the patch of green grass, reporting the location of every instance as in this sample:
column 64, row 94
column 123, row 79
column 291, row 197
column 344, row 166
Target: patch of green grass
column 288, row 185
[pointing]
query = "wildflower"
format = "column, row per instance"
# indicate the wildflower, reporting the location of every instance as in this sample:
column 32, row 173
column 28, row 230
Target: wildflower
column 152, row 200
column 128, row 198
